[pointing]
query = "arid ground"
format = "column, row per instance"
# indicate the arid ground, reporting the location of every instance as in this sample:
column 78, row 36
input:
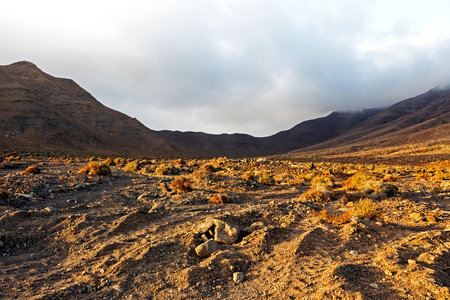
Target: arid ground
column 267, row 229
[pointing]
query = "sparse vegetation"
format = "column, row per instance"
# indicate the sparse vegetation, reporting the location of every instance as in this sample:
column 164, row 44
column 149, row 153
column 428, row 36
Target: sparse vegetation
column 220, row 199
column 96, row 169
column 181, row 184
column 32, row 170
column 132, row 166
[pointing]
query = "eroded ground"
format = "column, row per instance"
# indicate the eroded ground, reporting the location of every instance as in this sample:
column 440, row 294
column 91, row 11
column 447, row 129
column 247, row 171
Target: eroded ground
column 306, row 231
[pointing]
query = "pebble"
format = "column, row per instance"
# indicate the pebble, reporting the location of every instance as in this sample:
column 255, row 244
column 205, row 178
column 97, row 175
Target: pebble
column 238, row 277
column 374, row 285
column 49, row 209
column 353, row 252
column 411, row 261
column 388, row 273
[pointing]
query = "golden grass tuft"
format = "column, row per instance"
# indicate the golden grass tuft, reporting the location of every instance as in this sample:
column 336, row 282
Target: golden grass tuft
column 32, row 170
column 181, row 184
column 220, row 199
column 364, row 208
column 132, row 166
column 96, row 169
column 335, row 219
column 315, row 196
column 266, row 179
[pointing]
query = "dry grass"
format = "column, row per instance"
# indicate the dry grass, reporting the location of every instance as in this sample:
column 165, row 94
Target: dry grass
column 220, row 199
column 32, row 170
column 96, row 169
column 133, row 166
column 181, row 184
column 266, row 179
column 335, row 219
column 315, row 196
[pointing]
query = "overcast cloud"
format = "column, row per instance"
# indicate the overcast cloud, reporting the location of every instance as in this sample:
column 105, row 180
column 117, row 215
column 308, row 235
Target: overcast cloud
column 254, row 67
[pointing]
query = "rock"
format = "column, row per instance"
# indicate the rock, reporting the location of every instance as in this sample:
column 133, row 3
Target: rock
column 204, row 226
column 225, row 233
column 416, row 217
column 388, row 273
column 354, row 252
column 207, row 248
column 257, row 225
column 411, row 262
column 238, row 277
column 49, row 209
column 374, row 285
column 118, row 288
column 157, row 207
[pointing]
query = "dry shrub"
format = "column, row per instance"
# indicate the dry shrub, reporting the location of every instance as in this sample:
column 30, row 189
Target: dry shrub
column 220, row 199
column 335, row 219
column 133, row 166
column 179, row 162
column 365, row 208
column 202, row 175
column 109, row 162
column 32, row 170
column 96, row 169
column 119, row 161
column 361, row 182
column 249, row 176
column 422, row 174
column 266, row 179
column 389, row 178
column 181, row 184
column 322, row 183
column 316, row 196
column 162, row 170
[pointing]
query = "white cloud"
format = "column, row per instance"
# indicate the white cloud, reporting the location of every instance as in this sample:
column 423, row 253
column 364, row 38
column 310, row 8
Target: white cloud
column 234, row 66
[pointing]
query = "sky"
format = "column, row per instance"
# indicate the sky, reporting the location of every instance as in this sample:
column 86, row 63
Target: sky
column 234, row 66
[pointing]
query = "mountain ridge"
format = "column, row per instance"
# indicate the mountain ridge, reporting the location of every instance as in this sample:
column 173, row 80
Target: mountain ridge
column 45, row 113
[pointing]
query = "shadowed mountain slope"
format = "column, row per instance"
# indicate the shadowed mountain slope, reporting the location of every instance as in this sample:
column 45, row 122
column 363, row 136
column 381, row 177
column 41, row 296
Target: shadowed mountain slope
column 44, row 113
column 420, row 119
column 41, row 112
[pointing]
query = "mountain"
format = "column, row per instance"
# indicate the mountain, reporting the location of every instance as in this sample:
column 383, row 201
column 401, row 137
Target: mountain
column 47, row 114
column 421, row 119
column 44, row 113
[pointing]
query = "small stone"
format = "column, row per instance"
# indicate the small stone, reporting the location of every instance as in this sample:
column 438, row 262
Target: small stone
column 118, row 288
column 49, row 209
column 374, row 285
column 411, row 261
column 353, row 252
column 207, row 248
column 257, row 225
column 388, row 273
column 238, row 277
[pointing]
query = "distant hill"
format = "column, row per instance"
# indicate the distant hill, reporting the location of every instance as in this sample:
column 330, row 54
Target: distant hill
column 44, row 113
